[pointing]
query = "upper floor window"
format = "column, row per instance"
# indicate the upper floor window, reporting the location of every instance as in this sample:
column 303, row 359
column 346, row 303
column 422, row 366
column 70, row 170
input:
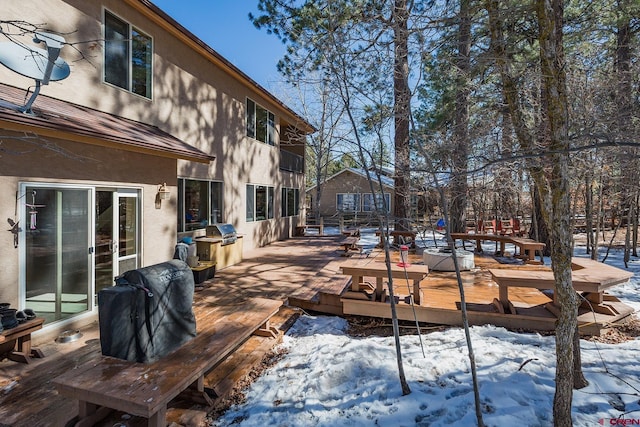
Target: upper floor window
column 127, row 56
column 261, row 123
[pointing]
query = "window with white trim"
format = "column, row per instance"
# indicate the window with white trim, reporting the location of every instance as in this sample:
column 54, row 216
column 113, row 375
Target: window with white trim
column 260, row 200
column 348, row 202
column 199, row 204
column 383, row 204
column 290, row 201
column 261, row 123
column 128, row 56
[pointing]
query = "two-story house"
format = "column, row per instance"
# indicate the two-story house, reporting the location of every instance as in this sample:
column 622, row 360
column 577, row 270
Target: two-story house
column 152, row 136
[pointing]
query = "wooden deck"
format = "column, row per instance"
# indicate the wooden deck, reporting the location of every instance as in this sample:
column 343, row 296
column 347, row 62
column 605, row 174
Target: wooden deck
column 440, row 301
column 303, row 272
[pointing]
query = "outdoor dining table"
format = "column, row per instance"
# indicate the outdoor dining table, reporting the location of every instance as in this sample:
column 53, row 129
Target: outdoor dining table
column 359, row 269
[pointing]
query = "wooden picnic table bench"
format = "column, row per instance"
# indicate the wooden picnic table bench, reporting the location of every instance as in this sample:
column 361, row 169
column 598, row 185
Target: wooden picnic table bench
column 409, row 237
column 350, row 243
column 145, row 389
column 15, row 343
column 359, row 270
column 301, row 230
column 527, row 248
column 588, row 276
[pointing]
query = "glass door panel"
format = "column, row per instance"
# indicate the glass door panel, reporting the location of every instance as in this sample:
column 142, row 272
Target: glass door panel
column 127, row 232
column 117, row 236
column 57, row 258
column 104, row 240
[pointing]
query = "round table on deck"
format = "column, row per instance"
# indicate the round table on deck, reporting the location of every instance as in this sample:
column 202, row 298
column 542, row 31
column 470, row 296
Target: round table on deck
column 439, row 260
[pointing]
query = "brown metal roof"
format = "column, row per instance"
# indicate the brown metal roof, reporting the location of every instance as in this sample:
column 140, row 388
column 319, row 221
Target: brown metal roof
column 61, row 119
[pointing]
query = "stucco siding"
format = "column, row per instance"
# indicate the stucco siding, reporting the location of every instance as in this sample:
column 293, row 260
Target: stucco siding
column 192, row 98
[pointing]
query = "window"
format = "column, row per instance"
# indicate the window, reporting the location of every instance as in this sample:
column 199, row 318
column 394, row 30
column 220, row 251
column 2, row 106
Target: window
column 127, row 56
column 348, row 202
column 261, row 123
column 259, row 202
column 290, row 201
column 199, row 204
column 251, row 203
column 270, row 195
column 383, row 205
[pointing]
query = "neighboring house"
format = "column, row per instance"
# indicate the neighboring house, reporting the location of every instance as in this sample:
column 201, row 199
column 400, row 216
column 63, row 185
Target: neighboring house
column 348, row 192
column 146, row 104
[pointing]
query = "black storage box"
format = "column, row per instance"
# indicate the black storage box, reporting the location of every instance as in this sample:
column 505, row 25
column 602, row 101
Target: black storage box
column 148, row 314
column 204, row 271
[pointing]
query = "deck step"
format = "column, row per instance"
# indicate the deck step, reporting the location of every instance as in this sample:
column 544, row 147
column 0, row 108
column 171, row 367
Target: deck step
column 222, row 380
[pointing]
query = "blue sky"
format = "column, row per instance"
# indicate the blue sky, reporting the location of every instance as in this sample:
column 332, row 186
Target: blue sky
column 225, row 26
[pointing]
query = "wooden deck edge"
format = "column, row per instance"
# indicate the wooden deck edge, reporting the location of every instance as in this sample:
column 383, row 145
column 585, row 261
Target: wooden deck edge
column 588, row 326
column 318, row 307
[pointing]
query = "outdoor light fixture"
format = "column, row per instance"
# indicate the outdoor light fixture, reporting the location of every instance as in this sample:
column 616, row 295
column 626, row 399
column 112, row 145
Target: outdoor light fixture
column 163, row 192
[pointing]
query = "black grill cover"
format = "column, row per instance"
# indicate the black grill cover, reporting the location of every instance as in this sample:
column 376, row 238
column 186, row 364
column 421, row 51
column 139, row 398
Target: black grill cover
column 148, row 314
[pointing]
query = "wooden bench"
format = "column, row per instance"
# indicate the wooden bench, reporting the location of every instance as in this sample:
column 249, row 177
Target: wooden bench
column 350, row 243
column 527, row 248
column 408, row 237
column 301, row 230
column 15, row 343
column 359, row 270
column 588, row 276
column 145, row 389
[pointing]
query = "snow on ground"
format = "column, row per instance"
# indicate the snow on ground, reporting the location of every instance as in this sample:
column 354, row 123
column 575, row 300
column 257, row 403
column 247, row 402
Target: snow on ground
column 328, row 378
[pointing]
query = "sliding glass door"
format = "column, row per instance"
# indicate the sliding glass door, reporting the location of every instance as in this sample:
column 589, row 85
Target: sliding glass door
column 57, row 250
column 76, row 241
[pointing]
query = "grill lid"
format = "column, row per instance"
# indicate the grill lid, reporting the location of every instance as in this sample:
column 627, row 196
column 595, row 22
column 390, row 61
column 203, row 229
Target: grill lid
column 225, row 231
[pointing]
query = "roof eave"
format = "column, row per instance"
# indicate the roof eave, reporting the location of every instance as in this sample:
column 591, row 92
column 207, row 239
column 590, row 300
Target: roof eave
column 103, row 141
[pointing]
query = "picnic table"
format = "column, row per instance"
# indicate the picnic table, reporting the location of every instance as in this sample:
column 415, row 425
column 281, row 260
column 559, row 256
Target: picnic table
column 358, row 270
column 588, row 276
column 527, row 248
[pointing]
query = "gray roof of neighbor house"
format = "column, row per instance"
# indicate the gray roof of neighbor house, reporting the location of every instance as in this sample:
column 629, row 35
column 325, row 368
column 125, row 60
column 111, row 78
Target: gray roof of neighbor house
column 60, row 119
column 386, row 180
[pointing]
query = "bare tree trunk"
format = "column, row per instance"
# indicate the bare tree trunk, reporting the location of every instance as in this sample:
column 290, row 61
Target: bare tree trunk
column 627, row 237
column 550, row 23
column 599, row 219
column 542, row 230
column 579, row 381
column 461, row 128
column 588, row 210
column 402, row 102
column 635, row 227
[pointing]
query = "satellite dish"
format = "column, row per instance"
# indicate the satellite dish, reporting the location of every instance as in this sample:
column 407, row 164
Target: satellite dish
column 39, row 64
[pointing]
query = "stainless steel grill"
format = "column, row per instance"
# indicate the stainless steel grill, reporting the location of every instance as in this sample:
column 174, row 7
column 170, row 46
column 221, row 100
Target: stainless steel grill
column 226, row 232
